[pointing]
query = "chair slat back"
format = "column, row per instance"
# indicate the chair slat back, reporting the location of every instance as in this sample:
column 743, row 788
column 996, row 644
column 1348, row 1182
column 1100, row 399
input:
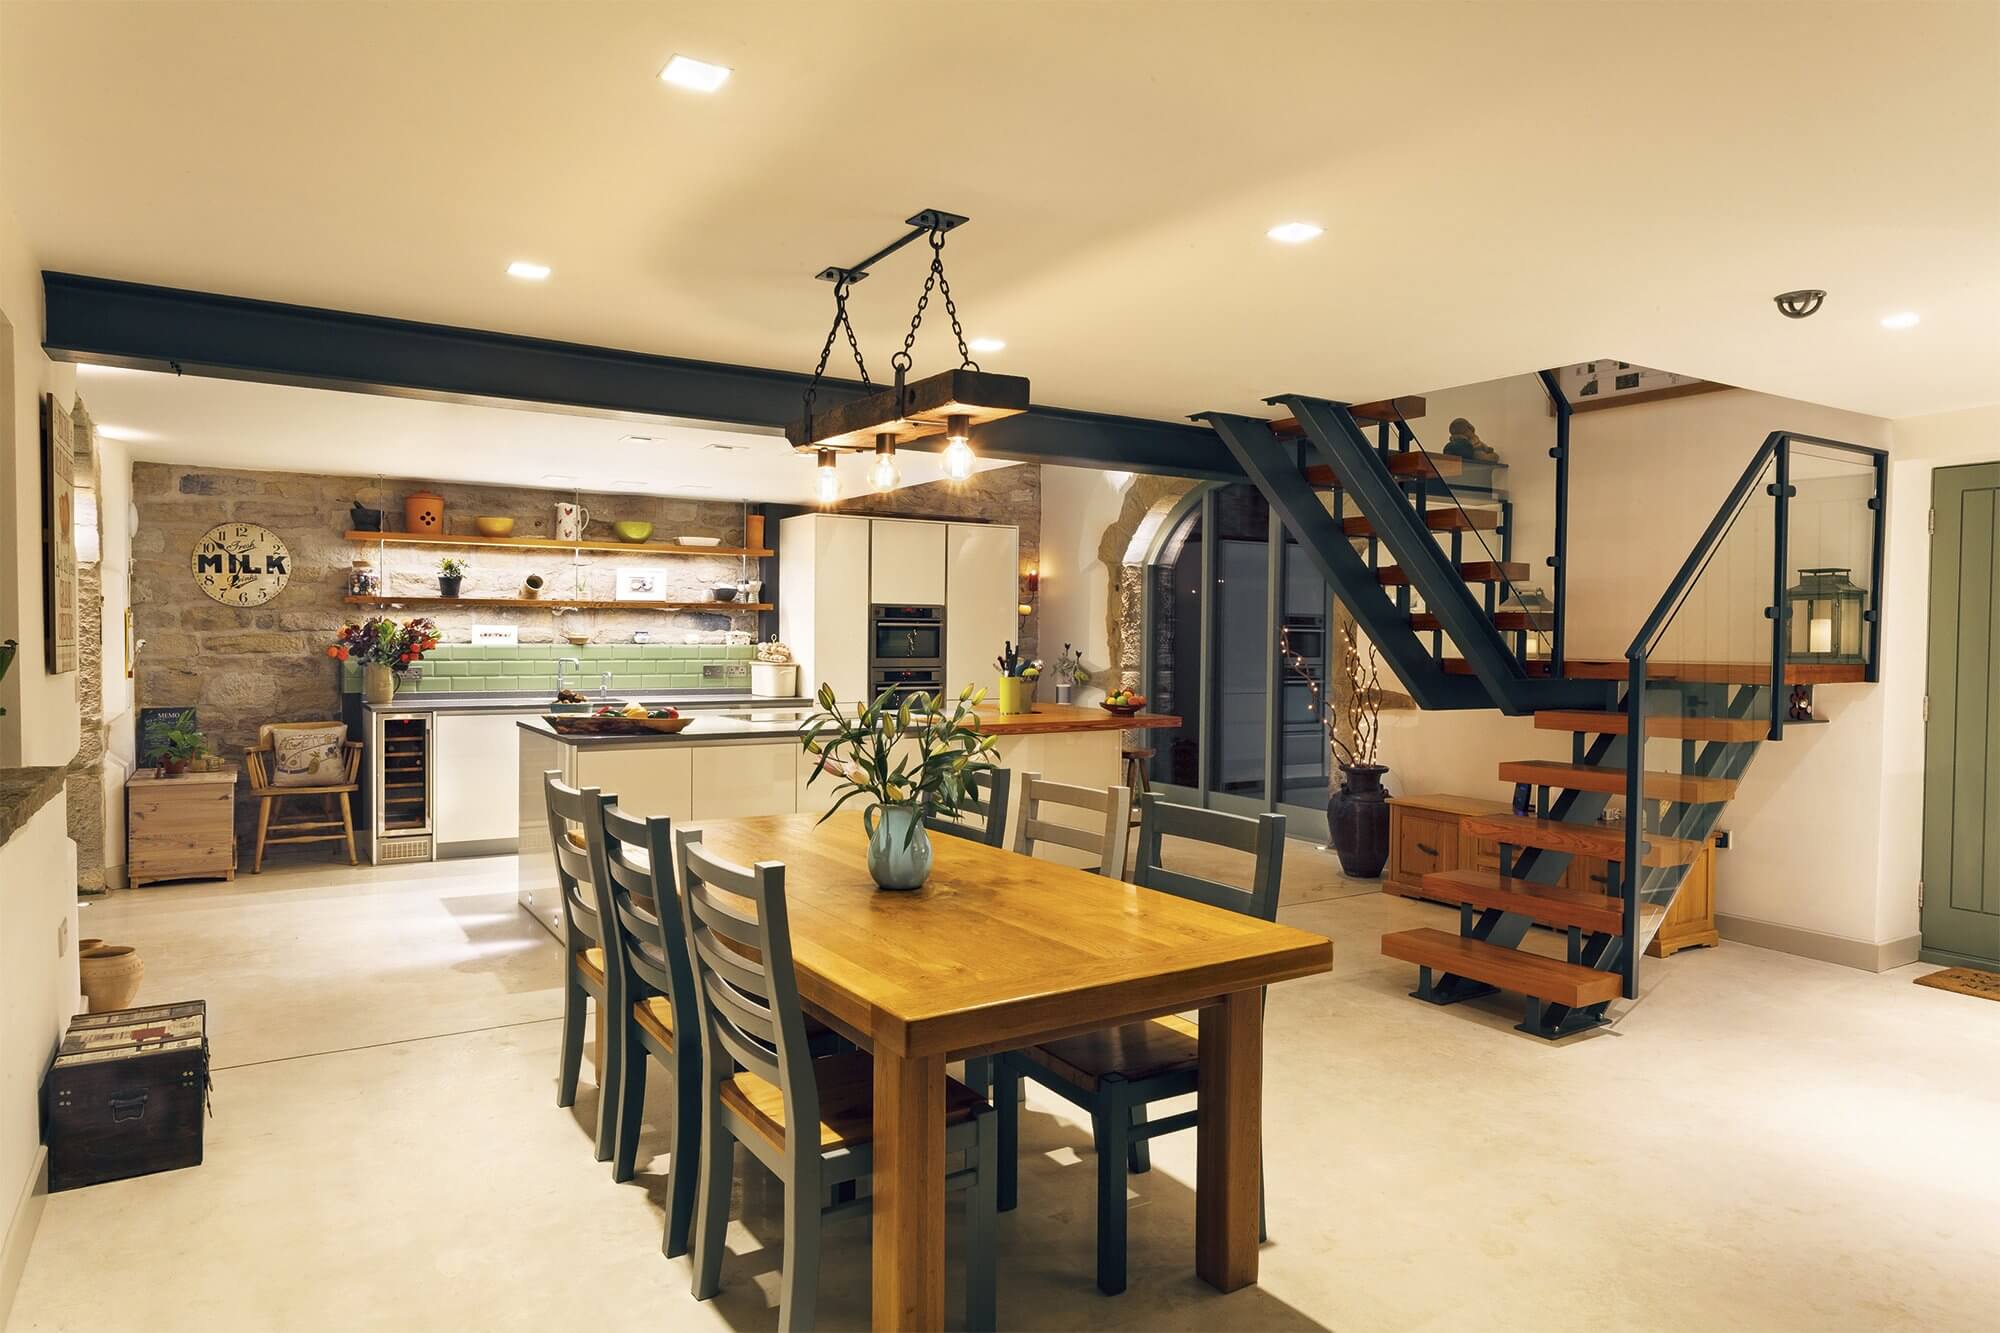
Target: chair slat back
column 579, row 869
column 1107, row 840
column 1263, row 836
column 740, row 945
column 985, row 796
column 645, row 911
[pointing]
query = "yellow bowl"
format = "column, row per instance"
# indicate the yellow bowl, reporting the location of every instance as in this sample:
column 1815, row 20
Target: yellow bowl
column 493, row 527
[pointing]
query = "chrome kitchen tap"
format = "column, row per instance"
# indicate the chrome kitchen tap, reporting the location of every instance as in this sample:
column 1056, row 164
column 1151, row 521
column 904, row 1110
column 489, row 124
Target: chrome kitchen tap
column 560, row 673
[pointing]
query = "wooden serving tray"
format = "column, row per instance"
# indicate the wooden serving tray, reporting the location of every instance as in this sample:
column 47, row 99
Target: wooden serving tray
column 583, row 724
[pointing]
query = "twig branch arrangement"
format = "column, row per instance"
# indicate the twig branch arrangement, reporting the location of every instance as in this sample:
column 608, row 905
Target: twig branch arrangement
column 1353, row 737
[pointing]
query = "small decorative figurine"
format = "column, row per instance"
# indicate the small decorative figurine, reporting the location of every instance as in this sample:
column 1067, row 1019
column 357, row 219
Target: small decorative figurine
column 1465, row 443
column 1801, row 707
column 1523, row 795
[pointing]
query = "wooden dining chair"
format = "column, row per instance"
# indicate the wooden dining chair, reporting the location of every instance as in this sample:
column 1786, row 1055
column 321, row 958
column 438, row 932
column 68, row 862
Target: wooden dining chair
column 1116, row 1072
column 649, row 998
column 760, row 1080
column 331, row 793
column 582, row 866
column 985, row 796
column 1108, row 841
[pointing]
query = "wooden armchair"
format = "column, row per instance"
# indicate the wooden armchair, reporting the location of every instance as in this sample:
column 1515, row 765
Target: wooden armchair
column 308, row 826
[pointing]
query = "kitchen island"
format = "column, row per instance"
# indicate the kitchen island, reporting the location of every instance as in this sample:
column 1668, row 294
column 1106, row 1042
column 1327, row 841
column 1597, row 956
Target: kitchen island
column 735, row 763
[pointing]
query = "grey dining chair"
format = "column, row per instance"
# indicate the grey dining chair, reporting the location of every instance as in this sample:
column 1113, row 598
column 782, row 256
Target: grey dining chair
column 985, row 796
column 650, row 1003
column 760, row 1083
column 1116, row 1072
column 581, row 869
column 1108, row 842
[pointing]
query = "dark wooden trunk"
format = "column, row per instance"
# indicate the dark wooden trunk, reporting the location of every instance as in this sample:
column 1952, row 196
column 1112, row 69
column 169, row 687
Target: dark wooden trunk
column 127, row 1094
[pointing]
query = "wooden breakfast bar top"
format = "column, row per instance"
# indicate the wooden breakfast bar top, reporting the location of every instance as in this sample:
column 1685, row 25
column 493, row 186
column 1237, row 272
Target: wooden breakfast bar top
column 996, row 951
column 1048, row 719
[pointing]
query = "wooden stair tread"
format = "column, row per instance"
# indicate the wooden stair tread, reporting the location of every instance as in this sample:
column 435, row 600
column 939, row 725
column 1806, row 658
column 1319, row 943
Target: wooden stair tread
column 1472, row 571
column 1679, row 728
column 1599, row 840
column 1423, row 621
column 1449, row 518
column 1548, row 979
column 1409, row 407
column 1550, row 904
column 1607, row 778
column 1713, row 673
column 1405, row 466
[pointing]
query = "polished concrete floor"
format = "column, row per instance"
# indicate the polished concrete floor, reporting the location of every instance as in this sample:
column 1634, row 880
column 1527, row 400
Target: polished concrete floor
column 1759, row 1143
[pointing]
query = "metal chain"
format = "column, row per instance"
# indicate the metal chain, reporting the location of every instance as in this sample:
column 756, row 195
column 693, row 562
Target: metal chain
column 840, row 320
column 935, row 278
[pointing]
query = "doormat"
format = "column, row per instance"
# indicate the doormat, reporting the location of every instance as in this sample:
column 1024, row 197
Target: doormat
column 1964, row 980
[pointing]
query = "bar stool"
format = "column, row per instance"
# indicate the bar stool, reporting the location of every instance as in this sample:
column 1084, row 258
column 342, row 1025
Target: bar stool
column 1136, row 757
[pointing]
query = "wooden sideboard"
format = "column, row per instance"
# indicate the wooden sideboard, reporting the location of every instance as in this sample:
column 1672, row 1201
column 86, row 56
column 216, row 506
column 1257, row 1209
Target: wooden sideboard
column 180, row 828
column 1425, row 838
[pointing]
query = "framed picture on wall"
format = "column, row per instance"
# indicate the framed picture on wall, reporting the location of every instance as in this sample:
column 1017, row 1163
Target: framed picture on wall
column 641, row 585
column 1589, row 385
column 60, row 629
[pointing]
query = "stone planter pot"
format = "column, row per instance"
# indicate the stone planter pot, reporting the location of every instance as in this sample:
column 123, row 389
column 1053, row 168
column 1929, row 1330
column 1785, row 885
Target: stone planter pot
column 110, row 975
column 378, row 683
column 1357, row 821
column 899, row 855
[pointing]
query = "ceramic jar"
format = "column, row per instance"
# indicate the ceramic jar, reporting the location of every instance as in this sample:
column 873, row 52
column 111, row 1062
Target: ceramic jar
column 899, row 855
column 424, row 512
column 378, row 683
column 1357, row 820
column 110, row 976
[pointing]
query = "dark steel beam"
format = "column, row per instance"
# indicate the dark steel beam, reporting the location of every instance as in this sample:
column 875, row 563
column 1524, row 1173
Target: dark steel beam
column 108, row 322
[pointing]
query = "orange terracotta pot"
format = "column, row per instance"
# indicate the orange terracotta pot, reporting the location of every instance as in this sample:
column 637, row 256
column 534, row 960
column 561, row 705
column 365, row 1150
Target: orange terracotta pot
column 424, row 512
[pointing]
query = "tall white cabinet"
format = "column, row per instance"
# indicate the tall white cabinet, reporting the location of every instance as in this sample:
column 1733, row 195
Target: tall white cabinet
column 909, row 564
column 823, row 600
column 980, row 564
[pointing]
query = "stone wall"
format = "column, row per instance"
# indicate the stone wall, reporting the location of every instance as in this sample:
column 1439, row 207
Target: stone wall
column 241, row 667
column 998, row 495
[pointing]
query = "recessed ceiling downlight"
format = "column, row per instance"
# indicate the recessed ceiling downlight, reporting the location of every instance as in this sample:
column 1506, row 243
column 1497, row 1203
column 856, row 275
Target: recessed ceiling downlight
column 695, row 75
column 1906, row 319
column 528, row 270
column 1295, row 233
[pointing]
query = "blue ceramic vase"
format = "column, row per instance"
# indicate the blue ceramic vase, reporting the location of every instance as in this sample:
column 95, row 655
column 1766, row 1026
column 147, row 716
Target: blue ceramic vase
column 899, row 857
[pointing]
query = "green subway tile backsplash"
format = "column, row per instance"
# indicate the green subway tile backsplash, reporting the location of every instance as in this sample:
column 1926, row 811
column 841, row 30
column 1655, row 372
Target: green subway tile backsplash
column 460, row 667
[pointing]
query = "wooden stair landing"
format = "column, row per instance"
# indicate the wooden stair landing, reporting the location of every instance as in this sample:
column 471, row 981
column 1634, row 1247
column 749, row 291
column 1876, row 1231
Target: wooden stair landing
column 1599, row 840
column 1472, row 571
column 1678, row 728
column 1550, row 904
column 1548, row 979
column 1611, row 780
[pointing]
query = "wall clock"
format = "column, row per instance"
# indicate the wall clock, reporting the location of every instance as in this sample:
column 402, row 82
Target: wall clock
column 241, row 564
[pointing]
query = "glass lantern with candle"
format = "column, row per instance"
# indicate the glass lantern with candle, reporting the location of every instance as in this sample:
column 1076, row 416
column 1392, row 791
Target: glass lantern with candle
column 1826, row 613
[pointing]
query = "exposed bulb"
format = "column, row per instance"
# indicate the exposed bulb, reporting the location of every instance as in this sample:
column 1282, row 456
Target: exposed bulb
column 885, row 476
column 958, row 458
column 829, row 478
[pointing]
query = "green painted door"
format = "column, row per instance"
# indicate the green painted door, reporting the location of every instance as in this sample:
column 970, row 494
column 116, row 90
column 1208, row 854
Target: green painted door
column 1961, row 904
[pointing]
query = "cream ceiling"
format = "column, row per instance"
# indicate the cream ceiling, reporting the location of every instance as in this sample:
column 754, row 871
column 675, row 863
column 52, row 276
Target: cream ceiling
column 1503, row 185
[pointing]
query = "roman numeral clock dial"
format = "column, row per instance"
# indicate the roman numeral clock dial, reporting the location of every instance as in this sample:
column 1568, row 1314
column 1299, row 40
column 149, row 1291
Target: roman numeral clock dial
column 241, row 564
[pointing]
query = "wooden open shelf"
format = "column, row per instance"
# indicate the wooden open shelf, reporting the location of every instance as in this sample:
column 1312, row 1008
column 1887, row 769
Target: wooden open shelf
column 551, row 603
column 547, row 544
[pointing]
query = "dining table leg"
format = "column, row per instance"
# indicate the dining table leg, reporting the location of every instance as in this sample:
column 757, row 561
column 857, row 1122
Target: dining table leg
column 1227, row 1178
column 908, row 1200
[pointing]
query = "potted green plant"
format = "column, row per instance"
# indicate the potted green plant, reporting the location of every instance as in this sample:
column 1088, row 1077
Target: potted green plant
column 451, row 573
column 180, row 744
column 907, row 759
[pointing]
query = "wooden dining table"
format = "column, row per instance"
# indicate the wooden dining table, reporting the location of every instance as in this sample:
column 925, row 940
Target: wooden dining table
column 997, row 951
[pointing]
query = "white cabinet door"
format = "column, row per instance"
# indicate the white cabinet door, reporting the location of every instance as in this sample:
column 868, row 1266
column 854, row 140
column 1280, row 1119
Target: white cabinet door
column 476, row 760
column 982, row 566
column 907, row 568
column 649, row 779
column 738, row 781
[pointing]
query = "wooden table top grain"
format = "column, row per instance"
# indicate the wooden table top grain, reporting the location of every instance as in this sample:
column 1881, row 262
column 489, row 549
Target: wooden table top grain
column 997, row 947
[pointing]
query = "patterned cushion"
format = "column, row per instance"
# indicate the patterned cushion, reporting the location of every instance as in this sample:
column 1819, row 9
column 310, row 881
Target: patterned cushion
column 309, row 756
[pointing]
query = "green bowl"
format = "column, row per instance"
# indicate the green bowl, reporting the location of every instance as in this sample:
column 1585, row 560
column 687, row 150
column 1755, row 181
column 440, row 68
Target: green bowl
column 629, row 531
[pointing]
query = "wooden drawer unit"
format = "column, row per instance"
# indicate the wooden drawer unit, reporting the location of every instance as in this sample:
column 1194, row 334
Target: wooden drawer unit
column 180, row 828
column 1424, row 838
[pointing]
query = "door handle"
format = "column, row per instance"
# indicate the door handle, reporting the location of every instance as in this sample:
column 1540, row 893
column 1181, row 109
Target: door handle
column 132, row 1107
column 1427, row 849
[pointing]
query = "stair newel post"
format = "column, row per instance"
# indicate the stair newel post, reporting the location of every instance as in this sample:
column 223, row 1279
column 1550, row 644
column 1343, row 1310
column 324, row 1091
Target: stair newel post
column 1635, row 817
column 1559, row 561
column 1781, row 492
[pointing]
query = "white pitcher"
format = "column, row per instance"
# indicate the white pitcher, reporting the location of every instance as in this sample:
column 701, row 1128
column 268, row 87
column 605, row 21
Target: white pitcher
column 571, row 520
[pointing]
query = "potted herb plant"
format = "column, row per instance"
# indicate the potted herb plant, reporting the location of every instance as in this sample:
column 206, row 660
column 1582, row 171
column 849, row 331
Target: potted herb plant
column 181, row 744
column 1069, row 673
column 906, row 759
column 451, row 573
column 385, row 650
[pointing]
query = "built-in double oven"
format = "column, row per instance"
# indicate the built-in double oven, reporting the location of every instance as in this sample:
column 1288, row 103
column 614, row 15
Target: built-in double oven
column 905, row 649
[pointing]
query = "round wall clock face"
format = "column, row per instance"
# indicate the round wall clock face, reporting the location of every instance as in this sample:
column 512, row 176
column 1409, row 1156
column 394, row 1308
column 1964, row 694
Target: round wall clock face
column 241, row 564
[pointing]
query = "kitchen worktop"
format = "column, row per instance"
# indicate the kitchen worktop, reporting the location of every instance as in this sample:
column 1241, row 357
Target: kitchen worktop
column 537, row 701
column 734, row 726
column 1047, row 719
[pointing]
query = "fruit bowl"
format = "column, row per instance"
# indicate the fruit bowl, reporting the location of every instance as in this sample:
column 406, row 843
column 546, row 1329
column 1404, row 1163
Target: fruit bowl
column 493, row 527
column 631, row 530
column 1122, row 710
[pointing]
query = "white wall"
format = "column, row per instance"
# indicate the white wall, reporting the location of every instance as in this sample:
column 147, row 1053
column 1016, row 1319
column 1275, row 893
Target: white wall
column 1077, row 505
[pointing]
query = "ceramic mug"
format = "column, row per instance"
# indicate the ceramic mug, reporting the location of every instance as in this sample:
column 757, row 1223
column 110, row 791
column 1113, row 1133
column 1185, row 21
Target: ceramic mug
column 571, row 520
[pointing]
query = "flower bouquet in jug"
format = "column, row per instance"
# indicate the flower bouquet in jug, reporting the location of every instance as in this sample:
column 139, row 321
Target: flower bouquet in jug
column 385, row 650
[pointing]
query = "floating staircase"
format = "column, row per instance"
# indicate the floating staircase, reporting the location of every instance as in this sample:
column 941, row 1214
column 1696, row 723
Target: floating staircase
column 1388, row 523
